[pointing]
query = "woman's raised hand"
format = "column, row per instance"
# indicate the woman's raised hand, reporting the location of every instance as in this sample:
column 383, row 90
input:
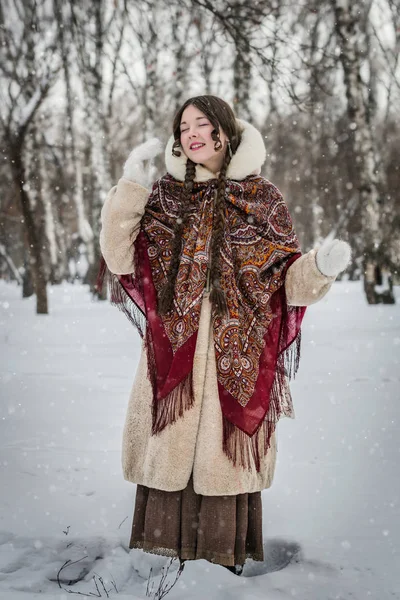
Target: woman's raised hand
column 134, row 168
column 333, row 257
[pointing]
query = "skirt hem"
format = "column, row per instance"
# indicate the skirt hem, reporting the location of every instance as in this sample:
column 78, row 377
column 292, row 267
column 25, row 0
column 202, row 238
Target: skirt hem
column 188, row 554
column 223, row 530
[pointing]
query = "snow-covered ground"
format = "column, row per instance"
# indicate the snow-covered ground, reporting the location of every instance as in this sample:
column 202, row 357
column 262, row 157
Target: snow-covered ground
column 334, row 504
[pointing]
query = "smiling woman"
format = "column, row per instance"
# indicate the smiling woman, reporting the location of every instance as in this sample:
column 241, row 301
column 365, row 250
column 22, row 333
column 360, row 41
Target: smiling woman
column 197, row 141
column 208, row 267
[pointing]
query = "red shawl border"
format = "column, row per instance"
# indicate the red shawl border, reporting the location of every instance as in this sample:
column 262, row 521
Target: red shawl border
column 246, row 434
column 279, row 364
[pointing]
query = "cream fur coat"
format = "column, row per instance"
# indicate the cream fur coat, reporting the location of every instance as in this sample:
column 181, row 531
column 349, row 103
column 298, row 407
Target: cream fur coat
column 194, row 442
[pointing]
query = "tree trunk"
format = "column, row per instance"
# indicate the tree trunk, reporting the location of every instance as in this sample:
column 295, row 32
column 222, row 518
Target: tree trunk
column 347, row 24
column 150, row 98
column 8, row 270
column 48, row 233
column 27, row 283
column 315, row 134
column 241, row 72
column 93, row 79
column 84, row 229
column 36, row 261
column 180, row 27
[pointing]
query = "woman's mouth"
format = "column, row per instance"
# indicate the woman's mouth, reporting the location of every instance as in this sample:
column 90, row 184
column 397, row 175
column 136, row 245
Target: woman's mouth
column 196, row 146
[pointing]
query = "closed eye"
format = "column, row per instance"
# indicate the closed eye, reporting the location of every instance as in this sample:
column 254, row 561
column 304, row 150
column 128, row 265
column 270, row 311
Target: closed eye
column 203, row 125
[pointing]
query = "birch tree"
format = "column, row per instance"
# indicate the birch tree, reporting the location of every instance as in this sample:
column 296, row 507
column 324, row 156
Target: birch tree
column 209, row 51
column 316, row 69
column 242, row 25
column 73, row 158
column 146, row 24
column 90, row 26
column 384, row 72
column 29, row 67
column 242, row 68
column 181, row 28
column 348, row 14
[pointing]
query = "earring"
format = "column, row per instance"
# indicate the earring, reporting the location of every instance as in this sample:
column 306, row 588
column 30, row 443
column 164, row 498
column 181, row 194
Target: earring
column 230, row 149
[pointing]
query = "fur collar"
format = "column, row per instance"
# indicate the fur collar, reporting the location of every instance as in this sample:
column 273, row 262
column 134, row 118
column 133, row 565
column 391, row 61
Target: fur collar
column 247, row 160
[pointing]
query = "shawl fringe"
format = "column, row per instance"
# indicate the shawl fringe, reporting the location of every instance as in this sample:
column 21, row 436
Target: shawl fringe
column 247, row 451
column 174, row 405
column 120, row 299
column 166, row 410
column 291, row 357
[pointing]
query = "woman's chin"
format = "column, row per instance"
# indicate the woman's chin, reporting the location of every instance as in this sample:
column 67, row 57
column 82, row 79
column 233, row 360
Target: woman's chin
column 194, row 159
column 197, row 159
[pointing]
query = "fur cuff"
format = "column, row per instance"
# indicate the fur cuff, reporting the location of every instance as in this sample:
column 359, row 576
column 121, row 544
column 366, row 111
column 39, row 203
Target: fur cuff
column 333, row 257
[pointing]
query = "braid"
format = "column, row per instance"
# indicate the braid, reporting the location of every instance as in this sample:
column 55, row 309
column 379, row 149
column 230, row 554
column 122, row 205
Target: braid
column 166, row 297
column 217, row 296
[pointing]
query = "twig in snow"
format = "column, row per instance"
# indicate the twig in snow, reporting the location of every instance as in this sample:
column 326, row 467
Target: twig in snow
column 122, row 521
column 67, row 562
column 104, row 588
column 163, row 587
column 148, row 582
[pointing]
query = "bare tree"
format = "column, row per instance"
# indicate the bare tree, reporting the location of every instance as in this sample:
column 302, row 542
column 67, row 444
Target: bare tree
column 383, row 54
column 29, row 68
column 127, row 66
column 73, row 158
column 316, row 68
column 180, row 25
column 242, row 71
column 349, row 36
column 208, row 50
column 91, row 23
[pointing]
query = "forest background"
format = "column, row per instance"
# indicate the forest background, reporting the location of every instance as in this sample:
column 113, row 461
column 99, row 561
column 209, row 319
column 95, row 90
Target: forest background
column 82, row 82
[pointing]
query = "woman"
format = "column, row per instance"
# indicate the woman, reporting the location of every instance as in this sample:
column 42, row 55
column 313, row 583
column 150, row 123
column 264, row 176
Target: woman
column 209, row 269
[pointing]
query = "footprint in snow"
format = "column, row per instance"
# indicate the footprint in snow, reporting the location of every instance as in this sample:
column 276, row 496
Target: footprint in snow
column 278, row 554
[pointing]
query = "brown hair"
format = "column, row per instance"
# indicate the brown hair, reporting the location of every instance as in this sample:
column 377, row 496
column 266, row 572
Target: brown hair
column 222, row 116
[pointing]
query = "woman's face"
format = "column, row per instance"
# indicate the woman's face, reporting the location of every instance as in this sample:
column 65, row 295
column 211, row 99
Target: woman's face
column 196, row 140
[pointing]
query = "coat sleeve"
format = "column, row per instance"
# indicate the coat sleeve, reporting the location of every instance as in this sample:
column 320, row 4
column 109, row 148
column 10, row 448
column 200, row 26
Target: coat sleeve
column 120, row 224
column 304, row 282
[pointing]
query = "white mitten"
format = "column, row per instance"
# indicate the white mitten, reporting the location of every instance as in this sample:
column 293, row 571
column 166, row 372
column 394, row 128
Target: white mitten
column 333, row 257
column 134, row 168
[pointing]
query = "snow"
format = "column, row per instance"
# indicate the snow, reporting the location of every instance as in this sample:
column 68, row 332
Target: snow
column 332, row 512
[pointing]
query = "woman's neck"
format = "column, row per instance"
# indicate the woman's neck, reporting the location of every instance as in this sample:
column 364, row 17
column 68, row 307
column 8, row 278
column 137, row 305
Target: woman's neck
column 214, row 164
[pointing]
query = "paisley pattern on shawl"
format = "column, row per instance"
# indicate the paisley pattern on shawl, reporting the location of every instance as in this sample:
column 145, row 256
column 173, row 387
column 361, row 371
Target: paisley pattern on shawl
column 259, row 239
column 257, row 344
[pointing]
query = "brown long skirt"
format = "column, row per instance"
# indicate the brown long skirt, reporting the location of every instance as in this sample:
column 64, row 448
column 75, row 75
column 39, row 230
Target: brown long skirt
column 222, row 529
